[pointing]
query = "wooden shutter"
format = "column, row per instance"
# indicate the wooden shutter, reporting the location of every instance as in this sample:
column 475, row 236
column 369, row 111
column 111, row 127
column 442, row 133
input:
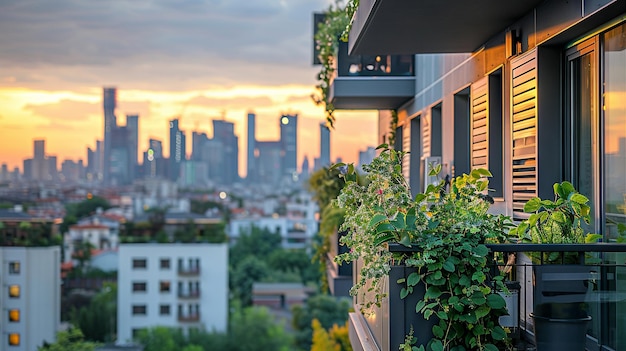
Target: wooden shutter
column 480, row 124
column 426, row 135
column 524, row 128
column 406, row 147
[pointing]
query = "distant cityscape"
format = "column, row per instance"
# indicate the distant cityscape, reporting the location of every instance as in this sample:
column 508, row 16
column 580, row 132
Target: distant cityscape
column 211, row 162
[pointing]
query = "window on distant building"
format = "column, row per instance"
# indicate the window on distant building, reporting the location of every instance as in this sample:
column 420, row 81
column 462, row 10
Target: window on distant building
column 14, row 315
column 164, row 310
column 139, row 286
column 164, row 286
column 14, row 339
column 140, row 263
column 14, row 267
column 165, row 263
column 14, row 291
column 139, row 310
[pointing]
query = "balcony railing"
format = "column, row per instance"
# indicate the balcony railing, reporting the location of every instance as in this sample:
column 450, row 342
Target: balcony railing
column 194, row 294
column 189, row 271
column 595, row 279
column 189, row 317
column 371, row 82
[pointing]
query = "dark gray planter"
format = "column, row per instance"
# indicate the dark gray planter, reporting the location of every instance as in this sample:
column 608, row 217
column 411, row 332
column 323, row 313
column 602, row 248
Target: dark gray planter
column 404, row 313
column 560, row 327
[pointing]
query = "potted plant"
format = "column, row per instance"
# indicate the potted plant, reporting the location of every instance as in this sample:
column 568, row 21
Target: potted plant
column 559, row 317
column 444, row 231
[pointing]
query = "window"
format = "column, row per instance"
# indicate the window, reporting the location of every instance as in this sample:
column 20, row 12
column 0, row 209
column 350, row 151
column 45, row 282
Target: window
column 14, row 267
column 14, row 315
column 139, row 286
column 164, row 286
column 139, row 310
column 140, row 263
column 164, row 310
column 14, row 291
column 165, row 263
column 14, row 339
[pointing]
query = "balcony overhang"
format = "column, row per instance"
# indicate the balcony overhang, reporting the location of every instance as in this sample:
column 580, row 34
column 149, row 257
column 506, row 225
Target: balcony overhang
column 430, row 26
column 371, row 93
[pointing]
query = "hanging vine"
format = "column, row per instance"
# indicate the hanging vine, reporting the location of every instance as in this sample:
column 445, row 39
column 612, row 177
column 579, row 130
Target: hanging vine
column 335, row 27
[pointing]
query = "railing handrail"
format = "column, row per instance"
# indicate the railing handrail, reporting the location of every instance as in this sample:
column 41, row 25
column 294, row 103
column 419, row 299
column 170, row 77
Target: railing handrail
column 522, row 247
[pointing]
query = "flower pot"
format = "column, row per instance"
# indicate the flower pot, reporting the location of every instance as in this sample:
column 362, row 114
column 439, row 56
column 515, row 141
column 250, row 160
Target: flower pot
column 560, row 327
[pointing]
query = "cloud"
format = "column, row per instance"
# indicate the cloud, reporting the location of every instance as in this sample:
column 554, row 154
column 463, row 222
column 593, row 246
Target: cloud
column 219, row 40
column 67, row 110
column 227, row 103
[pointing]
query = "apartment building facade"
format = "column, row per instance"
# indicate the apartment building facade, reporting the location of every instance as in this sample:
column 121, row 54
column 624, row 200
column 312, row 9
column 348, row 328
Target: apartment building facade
column 174, row 285
column 534, row 91
column 30, row 302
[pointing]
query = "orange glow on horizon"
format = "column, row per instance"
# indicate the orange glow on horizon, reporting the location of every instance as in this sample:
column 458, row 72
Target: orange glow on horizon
column 72, row 121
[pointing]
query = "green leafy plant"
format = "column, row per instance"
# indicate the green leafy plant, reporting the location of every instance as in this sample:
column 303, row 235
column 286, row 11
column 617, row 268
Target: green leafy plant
column 558, row 221
column 448, row 226
column 335, row 27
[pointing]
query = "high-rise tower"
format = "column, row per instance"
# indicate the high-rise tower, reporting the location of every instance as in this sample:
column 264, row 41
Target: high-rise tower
column 224, row 133
column 177, row 149
column 251, row 173
column 324, row 145
column 289, row 141
column 109, row 103
column 132, row 127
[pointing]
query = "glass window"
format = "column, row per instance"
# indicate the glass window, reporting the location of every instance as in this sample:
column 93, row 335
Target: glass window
column 14, row 267
column 165, row 263
column 614, row 109
column 14, row 339
column 164, row 310
column 140, row 263
column 139, row 310
column 164, row 286
column 14, row 291
column 14, row 315
column 139, row 286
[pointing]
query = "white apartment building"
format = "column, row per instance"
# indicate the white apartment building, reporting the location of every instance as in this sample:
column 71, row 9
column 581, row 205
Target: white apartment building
column 174, row 285
column 30, row 302
column 296, row 233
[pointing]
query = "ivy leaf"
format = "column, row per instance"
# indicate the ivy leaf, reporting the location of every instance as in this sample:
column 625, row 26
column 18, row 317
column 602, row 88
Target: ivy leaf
column 420, row 305
column 495, row 301
column 381, row 239
column 490, row 347
column 448, row 265
column 413, row 279
column 498, row 333
column 382, row 146
column 578, row 198
column 420, row 197
column 379, row 217
column 432, row 292
column 404, row 292
column 532, row 205
column 438, row 331
column 482, row 311
column 436, row 345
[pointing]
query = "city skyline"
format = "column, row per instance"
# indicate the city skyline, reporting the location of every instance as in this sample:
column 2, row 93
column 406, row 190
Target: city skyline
column 198, row 60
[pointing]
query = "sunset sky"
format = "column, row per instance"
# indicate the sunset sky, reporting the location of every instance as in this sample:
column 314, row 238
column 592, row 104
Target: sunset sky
column 203, row 59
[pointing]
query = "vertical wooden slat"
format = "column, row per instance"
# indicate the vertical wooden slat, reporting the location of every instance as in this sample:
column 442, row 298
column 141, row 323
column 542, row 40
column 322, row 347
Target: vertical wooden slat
column 480, row 124
column 524, row 130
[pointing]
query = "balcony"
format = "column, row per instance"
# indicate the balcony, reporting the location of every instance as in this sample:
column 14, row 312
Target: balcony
column 189, row 318
column 189, row 271
column 378, row 82
column 414, row 27
column 193, row 294
column 597, row 282
column 339, row 276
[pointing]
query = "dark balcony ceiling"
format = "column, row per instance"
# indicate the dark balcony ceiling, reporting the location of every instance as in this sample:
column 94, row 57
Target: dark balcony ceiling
column 371, row 93
column 431, row 26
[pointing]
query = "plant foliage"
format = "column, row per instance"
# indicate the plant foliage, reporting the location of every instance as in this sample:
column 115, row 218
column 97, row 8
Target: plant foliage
column 448, row 226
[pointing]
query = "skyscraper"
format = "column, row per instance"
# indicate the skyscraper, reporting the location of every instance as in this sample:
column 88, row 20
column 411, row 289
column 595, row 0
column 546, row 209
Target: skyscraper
column 119, row 159
column 324, row 145
column 251, row 172
column 39, row 165
column 132, row 126
column 224, row 132
column 109, row 103
column 177, row 149
column 289, row 142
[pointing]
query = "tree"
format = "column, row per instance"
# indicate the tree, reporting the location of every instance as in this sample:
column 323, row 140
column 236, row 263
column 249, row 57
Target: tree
column 98, row 320
column 251, row 269
column 257, row 242
column 254, row 328
column 321, row 339
column 327, row 309
column 160, row 339
column 70, row 340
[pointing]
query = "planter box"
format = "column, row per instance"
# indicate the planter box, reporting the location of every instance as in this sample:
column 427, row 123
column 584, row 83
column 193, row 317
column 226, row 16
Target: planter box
column 392, row 321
